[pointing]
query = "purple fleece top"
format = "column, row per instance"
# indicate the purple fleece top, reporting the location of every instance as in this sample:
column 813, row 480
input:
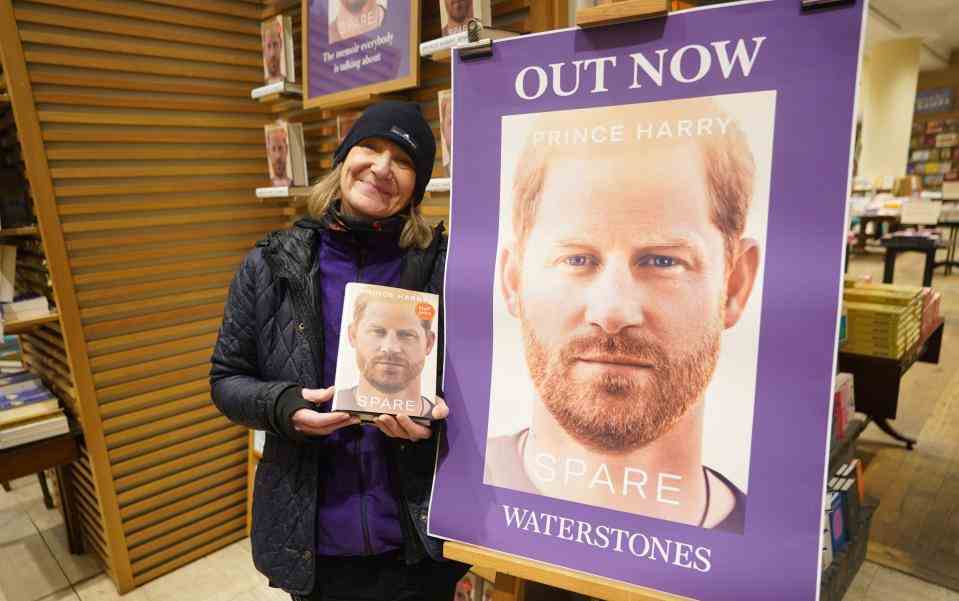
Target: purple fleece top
column 357, row 512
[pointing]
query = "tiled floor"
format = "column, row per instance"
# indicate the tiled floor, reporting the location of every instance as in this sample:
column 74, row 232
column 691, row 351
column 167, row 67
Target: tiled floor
column 33, row 543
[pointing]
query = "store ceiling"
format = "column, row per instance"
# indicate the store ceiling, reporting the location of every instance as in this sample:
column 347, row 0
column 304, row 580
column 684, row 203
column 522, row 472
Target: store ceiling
column 935, row 22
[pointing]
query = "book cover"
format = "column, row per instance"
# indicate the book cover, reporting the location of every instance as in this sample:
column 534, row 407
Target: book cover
column 387, row 354
column 837, row 522
column 455, row 15
column 444, row 100
column 344, row 123
column 286, row 153
column 8, row 267
column 277, row 37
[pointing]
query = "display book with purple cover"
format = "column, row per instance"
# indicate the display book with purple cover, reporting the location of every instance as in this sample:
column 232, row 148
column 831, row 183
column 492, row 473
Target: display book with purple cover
column 23, row 398
column 387, row 358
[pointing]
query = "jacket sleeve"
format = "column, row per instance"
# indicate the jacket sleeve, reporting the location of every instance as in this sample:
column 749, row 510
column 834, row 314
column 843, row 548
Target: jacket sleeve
column 235, row 383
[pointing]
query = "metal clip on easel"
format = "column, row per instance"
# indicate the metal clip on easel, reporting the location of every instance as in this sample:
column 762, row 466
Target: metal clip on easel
column 476, row 47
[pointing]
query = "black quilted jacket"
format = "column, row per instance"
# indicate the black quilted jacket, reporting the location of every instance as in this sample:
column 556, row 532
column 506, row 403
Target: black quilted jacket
column 272, row 339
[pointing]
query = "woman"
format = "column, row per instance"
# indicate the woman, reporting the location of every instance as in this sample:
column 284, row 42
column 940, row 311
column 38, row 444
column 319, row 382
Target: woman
column 339, row 509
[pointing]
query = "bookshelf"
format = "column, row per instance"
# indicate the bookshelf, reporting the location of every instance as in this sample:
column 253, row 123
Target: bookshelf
column 12, row 328
column 27, row 231
column 838, row 576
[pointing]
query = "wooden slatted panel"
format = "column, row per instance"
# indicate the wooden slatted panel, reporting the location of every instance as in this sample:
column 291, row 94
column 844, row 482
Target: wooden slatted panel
column 154, row 148
column 91, row 520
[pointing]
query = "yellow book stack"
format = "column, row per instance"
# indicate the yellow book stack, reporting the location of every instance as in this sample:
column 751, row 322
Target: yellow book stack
column 883, row 320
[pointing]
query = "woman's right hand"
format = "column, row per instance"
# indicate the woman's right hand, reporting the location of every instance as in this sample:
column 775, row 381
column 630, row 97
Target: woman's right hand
column 314, row 423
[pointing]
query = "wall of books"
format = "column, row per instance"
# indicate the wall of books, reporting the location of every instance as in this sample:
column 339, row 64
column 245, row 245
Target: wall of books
column 935, row 129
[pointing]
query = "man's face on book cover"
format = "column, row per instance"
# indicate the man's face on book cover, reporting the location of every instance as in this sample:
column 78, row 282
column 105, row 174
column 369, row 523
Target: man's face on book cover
column 391, row 345
column 459, row 10
column 272, row 49
column 620, row 290
column 277, row 148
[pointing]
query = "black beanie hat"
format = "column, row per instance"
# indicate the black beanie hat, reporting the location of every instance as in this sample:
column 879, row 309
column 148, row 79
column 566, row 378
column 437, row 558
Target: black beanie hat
column 402, row 123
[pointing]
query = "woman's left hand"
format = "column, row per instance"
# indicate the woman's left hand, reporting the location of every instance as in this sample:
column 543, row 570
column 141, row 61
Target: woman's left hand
column 401, row 426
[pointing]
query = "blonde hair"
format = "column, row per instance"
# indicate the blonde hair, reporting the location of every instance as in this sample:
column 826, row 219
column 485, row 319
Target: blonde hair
column 416, row 232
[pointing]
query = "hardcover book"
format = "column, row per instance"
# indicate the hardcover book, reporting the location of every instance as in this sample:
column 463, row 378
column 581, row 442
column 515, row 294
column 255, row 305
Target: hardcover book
column 387, row 355
column 444, row 100
column 277, row 36
column 286, row 153
column 455, row 15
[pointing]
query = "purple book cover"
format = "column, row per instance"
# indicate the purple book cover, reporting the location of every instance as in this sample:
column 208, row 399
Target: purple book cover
column 642, row 291
column 355, row 43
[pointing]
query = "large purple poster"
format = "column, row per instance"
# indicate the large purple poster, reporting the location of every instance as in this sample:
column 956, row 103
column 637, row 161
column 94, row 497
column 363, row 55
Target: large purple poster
column 357, row 47
column 642, row 288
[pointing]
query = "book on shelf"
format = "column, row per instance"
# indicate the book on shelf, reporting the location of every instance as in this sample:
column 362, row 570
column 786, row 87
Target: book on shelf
column 280, row 87
column 278, row 62
column 26, row 308
column 33, row 430
column 8, row 276
column 286, row 154
column 19, row 408
column 455, row 15
column 282, row 191
column 458, row 39
column 444, row 100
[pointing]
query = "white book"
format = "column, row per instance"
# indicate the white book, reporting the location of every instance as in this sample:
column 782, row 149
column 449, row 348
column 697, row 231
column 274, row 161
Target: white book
column 280, row 87
column 8, row 266
column 33, row 431
column 282, row 191
column 276, row 35
column 443, row 43
column 438, row 184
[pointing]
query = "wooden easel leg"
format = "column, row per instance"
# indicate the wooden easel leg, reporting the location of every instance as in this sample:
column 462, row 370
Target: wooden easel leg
column 47, row 499
column 509, row 588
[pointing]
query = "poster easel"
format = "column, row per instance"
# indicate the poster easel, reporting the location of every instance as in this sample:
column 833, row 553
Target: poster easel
column 510, row 575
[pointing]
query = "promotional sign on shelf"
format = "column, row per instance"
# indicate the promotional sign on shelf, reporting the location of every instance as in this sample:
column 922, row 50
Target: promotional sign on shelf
column 642, row 291
column 356, row 48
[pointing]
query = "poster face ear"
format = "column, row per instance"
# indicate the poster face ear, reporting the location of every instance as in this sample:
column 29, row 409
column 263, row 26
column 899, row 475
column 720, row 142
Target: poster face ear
column 509, row 278
column 740, row 280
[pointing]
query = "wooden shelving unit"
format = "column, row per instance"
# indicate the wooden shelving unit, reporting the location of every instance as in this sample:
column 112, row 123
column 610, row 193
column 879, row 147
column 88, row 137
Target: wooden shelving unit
column 11, row 328
column 27, row 231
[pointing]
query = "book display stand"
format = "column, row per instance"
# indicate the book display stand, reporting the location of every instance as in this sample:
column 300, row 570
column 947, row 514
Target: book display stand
column 609, row 12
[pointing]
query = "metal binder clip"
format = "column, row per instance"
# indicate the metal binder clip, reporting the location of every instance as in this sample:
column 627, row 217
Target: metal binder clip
column 808, row 5
column 476, row 47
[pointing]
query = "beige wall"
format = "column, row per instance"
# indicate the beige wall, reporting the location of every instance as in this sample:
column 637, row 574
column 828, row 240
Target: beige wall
column 890, row 77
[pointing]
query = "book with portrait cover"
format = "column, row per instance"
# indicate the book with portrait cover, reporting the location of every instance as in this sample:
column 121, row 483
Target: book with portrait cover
column 444, row 100
column 286, row 153
column 387, row 354
column 277, row 37
column 455, row 15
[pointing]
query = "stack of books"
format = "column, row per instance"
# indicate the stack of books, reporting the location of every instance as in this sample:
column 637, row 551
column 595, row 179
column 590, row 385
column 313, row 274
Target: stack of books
column 11, row 361
column 883, row 319
column 844, row 405
column 844, row 494
column 26, row 308
column 931, row 303
column 28, row 411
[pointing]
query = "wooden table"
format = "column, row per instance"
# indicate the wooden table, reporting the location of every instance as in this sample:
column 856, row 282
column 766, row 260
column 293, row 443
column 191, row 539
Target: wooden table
column 895, row 246
column 877, row 380
column 510, row 575
column 50, row 453
column 878, row 220
column 951, row 246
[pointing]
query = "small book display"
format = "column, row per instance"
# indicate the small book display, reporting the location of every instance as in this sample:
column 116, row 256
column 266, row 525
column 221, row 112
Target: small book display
column 277, row 36
column 445, row 102
column 455, row 15
column 28, row 411
column 286, row 154
column 387, row 354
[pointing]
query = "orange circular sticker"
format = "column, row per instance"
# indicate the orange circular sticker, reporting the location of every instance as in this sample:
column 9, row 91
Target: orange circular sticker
column 425, row 312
